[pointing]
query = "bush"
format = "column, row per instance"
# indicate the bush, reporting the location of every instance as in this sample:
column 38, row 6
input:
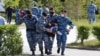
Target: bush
column 83, row 33
column 96, row 31
column 11, row 41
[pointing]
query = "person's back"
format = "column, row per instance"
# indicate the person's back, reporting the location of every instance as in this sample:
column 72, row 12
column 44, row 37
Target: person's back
column 91, row 8
column 40, row 12
column 35, row 10
column 9, row 11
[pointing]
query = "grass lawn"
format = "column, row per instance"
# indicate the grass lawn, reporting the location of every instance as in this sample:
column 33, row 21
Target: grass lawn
column 91, row 43
column 85, row 22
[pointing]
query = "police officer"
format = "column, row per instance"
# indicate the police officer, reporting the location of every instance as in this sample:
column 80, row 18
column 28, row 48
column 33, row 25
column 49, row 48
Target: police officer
column 41, row 32
column 63, row 21
column 91, row 12
column 35, row 10
column 52, row 20
column 40, row 11
column 30, row 22
column 46, row 9
column 17, row 20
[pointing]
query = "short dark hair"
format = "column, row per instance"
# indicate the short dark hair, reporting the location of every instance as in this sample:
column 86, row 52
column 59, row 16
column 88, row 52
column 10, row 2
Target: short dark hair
column 63, row 11
column 51, row 8
column 92, row 1
column 35, row 5
column 44, row 14
column 40, row 6
column 28, row 11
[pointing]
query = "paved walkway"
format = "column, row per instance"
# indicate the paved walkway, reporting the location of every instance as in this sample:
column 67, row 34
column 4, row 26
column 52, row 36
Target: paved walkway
column 68, row 52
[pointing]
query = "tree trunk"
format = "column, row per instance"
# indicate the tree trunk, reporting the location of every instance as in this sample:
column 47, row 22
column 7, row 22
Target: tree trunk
column 82, row 41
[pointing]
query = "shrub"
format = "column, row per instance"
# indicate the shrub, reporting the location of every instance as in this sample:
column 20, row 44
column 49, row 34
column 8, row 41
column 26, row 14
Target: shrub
column 11, row 41
column 83, row 33
column 96, row 31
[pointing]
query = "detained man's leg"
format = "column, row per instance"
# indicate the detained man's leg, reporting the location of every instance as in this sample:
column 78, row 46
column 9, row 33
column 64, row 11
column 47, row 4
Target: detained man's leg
column 51, row 41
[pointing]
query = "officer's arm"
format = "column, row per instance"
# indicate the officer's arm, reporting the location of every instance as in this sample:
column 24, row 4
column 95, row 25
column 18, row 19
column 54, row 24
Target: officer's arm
column 88, row 8
column 95, row 7
column 22, row 20
column 70, row 23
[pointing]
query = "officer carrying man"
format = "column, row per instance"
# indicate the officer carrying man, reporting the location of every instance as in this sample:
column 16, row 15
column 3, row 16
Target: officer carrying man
column 52, row 21
column 63, row 22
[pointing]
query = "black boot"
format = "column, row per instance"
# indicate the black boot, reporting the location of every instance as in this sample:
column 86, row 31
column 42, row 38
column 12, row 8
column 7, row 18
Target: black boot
column 62, row 53
column 46, row 51
column 50, row 52
column 33, row 53
column 42, row 53
column 58, row 51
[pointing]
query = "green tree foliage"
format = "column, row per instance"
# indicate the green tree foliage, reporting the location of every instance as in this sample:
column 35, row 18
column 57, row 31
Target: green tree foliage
column 96, row 31
column 14, row 3
column 26, row 4
column 77, row 9
column 10, row 41
column 83, row 33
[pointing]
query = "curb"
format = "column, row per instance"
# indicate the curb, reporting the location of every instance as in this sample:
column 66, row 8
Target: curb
column 83, row 48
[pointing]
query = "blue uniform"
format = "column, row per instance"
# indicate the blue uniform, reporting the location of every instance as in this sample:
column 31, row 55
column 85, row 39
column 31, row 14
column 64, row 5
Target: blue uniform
column 17, row 20
column 40, row 12
column 62, row 31
column 52, row 20
column 35, row 11
column 31, row 30
column 91, row 13
column 41, row 33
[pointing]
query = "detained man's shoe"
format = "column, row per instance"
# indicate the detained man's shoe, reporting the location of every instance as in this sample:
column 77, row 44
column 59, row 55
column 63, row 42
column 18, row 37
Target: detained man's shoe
column 58, row 51
column 33, row 53
column 49, row 53
column 42, row 53
column 45, row 51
